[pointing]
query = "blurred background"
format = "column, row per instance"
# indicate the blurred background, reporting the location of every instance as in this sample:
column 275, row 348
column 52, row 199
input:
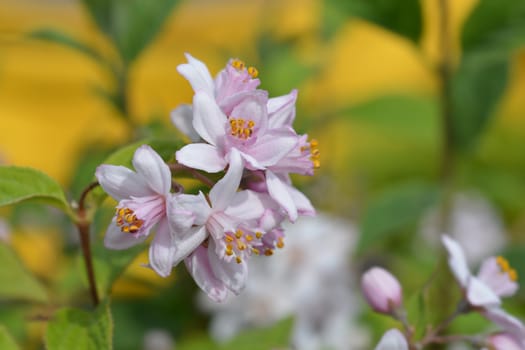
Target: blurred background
column 407, row 150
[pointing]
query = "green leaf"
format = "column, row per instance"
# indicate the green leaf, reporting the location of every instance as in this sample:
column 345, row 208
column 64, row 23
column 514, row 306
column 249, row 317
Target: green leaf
column 81, row 330
column 494, row 25
column 19, row 184
column 6, row 341
column 54, row 36
column 395, row 210
column 16, row 283
column 131, row 24
column 477, row 86
column 401, row 17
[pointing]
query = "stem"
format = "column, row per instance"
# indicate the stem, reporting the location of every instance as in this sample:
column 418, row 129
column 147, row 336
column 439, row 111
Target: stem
column 433, row 336
column 83, row 228
column 202, row 178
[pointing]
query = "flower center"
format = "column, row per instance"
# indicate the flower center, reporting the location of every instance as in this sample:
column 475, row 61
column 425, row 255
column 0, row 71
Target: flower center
column 240, row 243
column 506, row 268
column 241, row 66
column 127, row 220
column 241, row 129
column 315, row 154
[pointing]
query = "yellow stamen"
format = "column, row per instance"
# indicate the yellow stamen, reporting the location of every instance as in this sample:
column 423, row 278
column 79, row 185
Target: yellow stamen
column 268, row 252
column 127, row 220
column 248, row 238
column 258, row 234
column 254, row 73
column 241, row 129
column 238, row 64
column 239, row 233
column 256, row 251
column 280, row 243
column 238, row 259
column 506, row 268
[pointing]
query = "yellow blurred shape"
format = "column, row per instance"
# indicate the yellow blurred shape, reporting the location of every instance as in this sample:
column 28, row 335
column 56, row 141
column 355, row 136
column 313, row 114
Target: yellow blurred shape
column 40, row 250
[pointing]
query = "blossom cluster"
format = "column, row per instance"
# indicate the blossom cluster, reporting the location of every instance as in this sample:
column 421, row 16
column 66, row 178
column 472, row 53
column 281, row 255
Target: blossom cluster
column 481, row 293
column 238, row 131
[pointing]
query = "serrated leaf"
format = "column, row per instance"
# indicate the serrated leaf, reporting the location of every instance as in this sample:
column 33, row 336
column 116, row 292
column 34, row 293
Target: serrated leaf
column 81, row 330
column 57, row 37
column 16, row 283
column 131, row 24
column 6, row 341
column 477, row 86
column 494, row 25
column 395, row 210
column 401, row 17
column 19, row 184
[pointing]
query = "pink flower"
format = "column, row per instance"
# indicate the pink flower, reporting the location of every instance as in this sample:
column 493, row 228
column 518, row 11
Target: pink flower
column 145, row 201
column 381, row 290
column 504, row 341
column 508, row 323
column 392, row 340
column 495, row 278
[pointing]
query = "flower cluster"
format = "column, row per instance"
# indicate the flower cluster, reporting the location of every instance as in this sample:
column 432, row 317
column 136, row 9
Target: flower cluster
column 481, row 293
column 238, row 131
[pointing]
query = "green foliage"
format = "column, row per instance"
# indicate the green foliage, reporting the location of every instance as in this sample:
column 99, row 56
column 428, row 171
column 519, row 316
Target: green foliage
column 81, row 330
column 6, row 341
column 18, row 184
column 477, row 87
column 16, row 283
column 275, row 336
column 395, row 210
column 57, row 37
column 401, row 17
column 130, row 24
column 495, row 25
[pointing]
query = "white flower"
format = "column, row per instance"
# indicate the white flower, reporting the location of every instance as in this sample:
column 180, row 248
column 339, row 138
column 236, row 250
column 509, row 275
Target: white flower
column 392, row 340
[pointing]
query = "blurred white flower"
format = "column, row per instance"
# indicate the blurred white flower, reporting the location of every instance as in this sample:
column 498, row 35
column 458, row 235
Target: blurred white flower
column 158, row 339
column 310, row 280
column 473, row 219
column 4, row 231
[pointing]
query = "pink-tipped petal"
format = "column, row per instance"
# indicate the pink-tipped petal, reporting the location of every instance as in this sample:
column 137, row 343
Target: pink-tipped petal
column 153, row 168
column 222, row 193
column 273, row 146
column 182, row 118
column 201, row 156
column 187, row 245
column 479, row 294
column 457, row 261
column 199, row 267
column 197, row 74
column 118, row 240
column 162, row 250
column 392, row 340
column 303, row 204
column 281, row 110
column 208, row 119
column 231, row 273
column 121, row 183
column 279, row 192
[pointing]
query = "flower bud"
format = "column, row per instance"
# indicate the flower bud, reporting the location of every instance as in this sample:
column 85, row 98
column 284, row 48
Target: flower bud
column 381, row 290
column 504, row 341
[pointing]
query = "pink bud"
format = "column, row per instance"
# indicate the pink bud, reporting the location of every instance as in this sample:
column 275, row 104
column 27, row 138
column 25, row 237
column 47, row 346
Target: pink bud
column 381, row 290
column 504, row 341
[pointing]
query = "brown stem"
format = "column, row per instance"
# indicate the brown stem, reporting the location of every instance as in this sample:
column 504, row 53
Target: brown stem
column 83, row 228
column 202, row 178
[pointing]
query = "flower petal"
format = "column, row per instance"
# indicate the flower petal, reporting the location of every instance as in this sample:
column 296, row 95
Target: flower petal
column 153, row 168
column 162, row 250
column 273, row 146
column 197, row 74
column 231, row 273
column 191, row 241
column 198, row 265
column 201, row 156
column 499, row 281
column 479, row 294
column 281, row 110
column 392, row 340
column 208, row 119
column 278, row 190
column 197, row 204
column 182, row 118
column 222, row 193
column 457, row 261
column 304, row 207
column 506, row 321
column 121, row 183
column 116, row 239
column 245, row 205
